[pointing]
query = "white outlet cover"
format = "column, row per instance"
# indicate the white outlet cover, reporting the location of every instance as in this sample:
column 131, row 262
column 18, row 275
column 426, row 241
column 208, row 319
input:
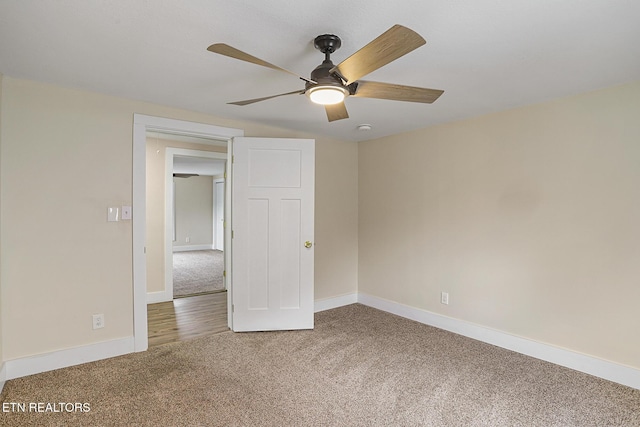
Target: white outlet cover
column 126, row 212
column 98, row 321
column 444, row 298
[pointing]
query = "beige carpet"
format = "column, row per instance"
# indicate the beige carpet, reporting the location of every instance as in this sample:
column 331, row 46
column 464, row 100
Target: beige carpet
column 359, row 367
column 197, row 272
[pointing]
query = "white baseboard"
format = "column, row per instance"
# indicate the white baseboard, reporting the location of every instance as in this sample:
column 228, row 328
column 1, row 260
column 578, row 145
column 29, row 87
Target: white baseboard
column 329, row 303
column 621, row 374
column 24, row 366
column 3, row 376
column 159, row 296
column 74, row 356
column 192, row 248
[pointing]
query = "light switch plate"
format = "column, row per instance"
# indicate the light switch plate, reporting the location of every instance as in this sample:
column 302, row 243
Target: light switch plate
column 126, row 212
column 113, row 214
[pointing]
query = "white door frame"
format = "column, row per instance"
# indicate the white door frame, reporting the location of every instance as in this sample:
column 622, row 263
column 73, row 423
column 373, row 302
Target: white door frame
column 216, row 218
column 169, row 223
column 141, row 125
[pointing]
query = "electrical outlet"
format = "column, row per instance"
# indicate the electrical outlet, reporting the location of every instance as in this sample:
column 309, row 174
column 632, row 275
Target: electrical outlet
column 188, row 240
column 98, row 321
column 126, row 212
column 444, row 298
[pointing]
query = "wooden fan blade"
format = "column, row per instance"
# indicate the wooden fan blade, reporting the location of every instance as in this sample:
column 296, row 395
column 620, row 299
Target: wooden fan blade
column 395, row 92
column 232, row 52
column 336, row 112
column 389, row 46
column 251, row 101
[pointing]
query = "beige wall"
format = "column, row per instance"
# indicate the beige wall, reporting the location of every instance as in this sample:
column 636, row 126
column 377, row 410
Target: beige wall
column 1, row 315
column 155, row 193
column 528, row 218
column 194, row 211
column 67, row 156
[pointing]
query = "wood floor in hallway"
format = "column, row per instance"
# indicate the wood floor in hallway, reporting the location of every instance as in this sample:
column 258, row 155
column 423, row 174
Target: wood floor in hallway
column 187, row 318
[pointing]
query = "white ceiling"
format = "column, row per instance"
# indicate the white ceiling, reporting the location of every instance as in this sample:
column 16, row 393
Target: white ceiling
column 487, row 55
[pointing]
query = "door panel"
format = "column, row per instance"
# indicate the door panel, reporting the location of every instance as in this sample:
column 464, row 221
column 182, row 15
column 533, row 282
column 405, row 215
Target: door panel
column 273, row 217
column 257, row 254
column 290, row 240
column 274, row 168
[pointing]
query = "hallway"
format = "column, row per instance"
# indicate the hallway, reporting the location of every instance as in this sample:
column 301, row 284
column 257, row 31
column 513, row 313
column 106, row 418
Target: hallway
column 186, row 318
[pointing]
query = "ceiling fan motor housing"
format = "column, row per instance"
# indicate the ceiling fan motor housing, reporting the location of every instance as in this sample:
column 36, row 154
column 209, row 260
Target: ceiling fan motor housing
column 325, row 83
column 322, row 77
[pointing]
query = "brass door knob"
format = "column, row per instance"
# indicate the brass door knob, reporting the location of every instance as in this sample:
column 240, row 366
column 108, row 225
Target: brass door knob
column 308, row 244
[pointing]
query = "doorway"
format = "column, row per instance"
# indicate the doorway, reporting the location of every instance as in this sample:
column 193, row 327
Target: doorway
column 267, row 163
column 193, row 263
column 143, row 124
column 180, row 194
column 198, row 246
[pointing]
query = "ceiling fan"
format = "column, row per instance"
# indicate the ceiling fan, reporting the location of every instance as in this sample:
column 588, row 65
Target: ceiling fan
column 330, row 84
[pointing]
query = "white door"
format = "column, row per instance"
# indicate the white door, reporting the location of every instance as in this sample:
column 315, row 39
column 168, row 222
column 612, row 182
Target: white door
column 272, row 222
column 219, row 216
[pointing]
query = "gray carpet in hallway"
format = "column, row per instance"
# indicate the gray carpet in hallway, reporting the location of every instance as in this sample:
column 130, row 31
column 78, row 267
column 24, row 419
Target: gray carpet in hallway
column 197, row 272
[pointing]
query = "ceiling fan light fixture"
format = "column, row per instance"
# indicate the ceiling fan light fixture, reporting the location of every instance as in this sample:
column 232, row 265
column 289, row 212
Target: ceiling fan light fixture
column 330, row 84
column 327, row 95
